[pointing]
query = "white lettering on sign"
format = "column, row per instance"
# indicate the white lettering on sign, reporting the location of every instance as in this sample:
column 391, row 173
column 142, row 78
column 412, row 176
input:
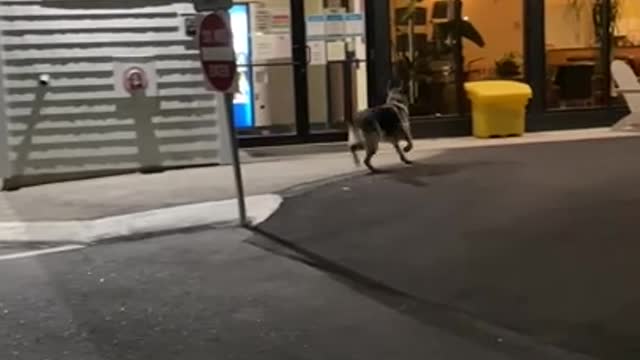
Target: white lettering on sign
column 219, row 70
column 207, row 36
column 218, row 53
column 215, row 37
column 222, row 36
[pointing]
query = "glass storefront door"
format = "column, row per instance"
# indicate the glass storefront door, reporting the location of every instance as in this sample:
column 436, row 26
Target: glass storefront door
column 336, row 64
column 298, row 84
column 265, row 104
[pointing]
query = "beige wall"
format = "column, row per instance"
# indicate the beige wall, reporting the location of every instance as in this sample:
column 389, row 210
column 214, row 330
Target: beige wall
column 567, row 27
column 500, row 23
column 629, row 22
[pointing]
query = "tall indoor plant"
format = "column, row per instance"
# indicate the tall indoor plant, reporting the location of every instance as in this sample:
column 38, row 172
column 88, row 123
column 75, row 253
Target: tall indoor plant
column 414, row 67
column 599, row 20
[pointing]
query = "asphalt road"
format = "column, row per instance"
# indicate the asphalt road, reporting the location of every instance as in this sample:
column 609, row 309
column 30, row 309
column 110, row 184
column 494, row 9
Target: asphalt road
column 206, row 295
column 539, row 239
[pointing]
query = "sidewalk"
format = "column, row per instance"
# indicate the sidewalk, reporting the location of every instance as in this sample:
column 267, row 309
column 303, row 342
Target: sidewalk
column 48, row 208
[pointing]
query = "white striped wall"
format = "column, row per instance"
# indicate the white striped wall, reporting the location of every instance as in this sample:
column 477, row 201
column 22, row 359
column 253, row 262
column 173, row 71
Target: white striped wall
column 79, row 124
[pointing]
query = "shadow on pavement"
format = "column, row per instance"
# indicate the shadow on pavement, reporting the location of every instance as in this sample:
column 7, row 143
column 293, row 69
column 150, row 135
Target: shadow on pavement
column 444, row 317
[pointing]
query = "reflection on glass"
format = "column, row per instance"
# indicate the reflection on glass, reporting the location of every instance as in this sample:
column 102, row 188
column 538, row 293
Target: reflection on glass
column 576, row 71
column 264, row 103
column 499, row 55
column 423, row 53
column 243, row 114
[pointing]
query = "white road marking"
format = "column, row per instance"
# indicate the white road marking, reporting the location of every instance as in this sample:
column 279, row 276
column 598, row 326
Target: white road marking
column 26, row 254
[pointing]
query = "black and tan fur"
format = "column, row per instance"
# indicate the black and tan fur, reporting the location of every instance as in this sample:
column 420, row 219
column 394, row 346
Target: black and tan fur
column 389, row 122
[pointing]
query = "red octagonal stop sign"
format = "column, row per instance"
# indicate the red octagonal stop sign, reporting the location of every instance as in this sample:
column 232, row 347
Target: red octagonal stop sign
column 215, row 40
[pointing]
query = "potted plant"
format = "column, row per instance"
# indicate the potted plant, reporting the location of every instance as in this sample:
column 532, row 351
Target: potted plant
column 508, row 66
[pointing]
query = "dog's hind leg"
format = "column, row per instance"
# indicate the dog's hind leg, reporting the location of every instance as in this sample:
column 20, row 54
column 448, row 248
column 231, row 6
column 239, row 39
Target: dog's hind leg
column 371, row 146
column 356, row 142
column 354, row 152
column 403, row 158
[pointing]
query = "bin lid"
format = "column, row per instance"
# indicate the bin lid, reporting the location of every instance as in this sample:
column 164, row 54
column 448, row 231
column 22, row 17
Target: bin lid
column 498, row 88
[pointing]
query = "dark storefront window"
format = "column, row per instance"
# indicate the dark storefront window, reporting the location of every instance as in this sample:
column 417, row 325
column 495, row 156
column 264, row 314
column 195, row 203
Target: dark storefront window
column 577, row 70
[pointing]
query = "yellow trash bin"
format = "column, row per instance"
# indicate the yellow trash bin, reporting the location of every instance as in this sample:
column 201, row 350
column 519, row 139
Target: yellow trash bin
column 498, row 107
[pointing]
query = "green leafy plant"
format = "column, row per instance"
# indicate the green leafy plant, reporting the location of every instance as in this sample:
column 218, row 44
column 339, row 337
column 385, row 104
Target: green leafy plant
column 508, row 66
column 415, row 63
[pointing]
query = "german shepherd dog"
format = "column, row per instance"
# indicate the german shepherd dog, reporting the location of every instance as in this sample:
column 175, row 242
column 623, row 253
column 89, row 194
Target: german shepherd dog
column 389, row 122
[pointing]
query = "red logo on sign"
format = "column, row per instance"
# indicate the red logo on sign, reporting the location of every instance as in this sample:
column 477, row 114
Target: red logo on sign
column 135, row 79
column 216, row 51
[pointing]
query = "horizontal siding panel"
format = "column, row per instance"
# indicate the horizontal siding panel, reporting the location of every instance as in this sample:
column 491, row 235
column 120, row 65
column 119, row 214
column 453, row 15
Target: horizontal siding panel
column 69, row 138
column 25, row 125
column 95, row 97
column 121, row 165
column 15, row 9
column 188, row 65
column 187, row 147
column 79, row 122
column 95, row 37
column 174, row 80
column 81, row 163
column 93, row 52
column 88, row 25
column 88, row 150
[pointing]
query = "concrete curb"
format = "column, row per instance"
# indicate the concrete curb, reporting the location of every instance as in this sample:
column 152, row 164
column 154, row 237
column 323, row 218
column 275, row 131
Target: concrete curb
column 214, row 213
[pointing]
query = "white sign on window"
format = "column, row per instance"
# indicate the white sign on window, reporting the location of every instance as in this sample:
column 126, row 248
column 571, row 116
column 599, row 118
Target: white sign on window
column 318, row 52
column 354, row 24
column 335, row 25
column 315, row 26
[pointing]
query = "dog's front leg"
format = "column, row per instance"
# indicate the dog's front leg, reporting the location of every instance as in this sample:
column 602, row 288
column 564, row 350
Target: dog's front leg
column 406, row 134
column 403, row 158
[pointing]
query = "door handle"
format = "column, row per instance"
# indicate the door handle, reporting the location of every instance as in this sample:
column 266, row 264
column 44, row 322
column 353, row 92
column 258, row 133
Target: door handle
column 307, row 55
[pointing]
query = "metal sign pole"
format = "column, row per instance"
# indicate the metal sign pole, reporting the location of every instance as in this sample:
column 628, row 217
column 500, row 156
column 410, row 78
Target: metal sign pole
column 235, row 159
column 220, row 71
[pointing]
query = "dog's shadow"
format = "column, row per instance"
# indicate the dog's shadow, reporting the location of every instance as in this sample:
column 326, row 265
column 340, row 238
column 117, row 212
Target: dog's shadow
column 419, row 173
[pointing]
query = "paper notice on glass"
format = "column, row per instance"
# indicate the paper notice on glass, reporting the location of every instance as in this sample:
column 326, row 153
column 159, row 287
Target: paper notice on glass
column 281, row 46
column 336, row 51
column 280, row 21
column 318, row 52
column 262, row 20
column 354, row 24
column 334, row 25
column 315, row 26
column 262, row 47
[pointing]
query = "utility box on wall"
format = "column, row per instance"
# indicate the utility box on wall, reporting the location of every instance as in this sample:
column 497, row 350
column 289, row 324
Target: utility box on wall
column 120, row 89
